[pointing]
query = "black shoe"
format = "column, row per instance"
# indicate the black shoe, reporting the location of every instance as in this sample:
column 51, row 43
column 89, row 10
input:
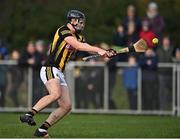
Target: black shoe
column 41, row 133
column 27, row 118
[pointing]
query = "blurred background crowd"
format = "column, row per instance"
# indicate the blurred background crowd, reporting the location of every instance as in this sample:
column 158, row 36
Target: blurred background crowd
column 127, row 31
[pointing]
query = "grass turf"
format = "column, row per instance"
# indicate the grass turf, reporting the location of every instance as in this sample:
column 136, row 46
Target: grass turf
column 96, row 126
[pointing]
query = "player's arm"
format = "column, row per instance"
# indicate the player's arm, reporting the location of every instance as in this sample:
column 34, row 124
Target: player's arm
column 84, row 46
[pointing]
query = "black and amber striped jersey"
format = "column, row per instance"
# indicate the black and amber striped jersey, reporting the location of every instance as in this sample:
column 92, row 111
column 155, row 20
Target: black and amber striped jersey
column 60, row 51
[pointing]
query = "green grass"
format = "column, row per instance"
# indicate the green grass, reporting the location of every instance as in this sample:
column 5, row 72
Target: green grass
column 107, row 126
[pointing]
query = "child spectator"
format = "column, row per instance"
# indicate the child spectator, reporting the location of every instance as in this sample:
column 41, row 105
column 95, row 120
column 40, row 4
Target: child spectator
column 130, row 81
column 147, row 34
column 119, row 37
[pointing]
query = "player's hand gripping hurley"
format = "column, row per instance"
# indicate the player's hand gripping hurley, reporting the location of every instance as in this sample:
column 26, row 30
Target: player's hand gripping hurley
column 139, row 46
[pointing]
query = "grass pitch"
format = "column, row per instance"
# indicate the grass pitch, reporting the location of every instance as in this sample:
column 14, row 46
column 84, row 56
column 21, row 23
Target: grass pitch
column 94, row 126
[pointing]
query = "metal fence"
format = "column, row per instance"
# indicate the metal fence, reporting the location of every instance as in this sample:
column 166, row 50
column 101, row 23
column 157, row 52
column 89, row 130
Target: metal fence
column 96, row 89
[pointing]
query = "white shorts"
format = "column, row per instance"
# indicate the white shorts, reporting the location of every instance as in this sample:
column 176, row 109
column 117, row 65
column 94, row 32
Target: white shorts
column 47, row 73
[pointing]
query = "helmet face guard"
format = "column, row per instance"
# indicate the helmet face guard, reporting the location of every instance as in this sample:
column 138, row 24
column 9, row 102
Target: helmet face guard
column 79, row 20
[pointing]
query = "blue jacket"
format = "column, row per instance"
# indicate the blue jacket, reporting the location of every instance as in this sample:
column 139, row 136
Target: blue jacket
column 130, row 76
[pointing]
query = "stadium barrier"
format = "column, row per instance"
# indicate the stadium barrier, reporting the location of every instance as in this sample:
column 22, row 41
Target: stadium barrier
column 93, row 88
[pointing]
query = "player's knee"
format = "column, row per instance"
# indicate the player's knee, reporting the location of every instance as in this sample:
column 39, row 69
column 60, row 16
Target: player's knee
column 55, row 96
column 67, row 107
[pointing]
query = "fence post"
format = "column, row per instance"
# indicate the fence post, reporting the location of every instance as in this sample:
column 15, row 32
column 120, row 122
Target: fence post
column 106, row 87
column 139, row 91
column 69, row 75
column 174, row 107
column 178, row 90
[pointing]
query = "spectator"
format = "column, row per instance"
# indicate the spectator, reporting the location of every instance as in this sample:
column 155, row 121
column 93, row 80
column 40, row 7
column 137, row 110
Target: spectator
column 29, row 56
column 148, row 62
column 147, row 34
column 88, row 95
column 32, row 58
column 40, row 51
column 94, row 86
column 130, row 81
column 111, row 64
column 155, row 20
column 15, row 71
column 132, row 17
column 132, row 25
column 119, row 38
column 40, row 57
column 132, row 35
column 3, row 81
column 80, row 95
column 165, row 53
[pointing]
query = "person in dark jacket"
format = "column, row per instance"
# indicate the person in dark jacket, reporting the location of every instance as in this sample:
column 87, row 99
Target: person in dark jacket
column 155, row 20
column 94, row 85
column 132, row 25
column 132, row 17
column 111, row 64
column 29, row 57
column 32, row 58
column 120, row 40
column 148, row 62
column 165, row 54
column 119, row 37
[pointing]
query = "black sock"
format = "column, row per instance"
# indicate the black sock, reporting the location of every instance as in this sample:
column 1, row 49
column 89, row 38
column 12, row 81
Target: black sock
column 45, row 125
column 32, row 112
